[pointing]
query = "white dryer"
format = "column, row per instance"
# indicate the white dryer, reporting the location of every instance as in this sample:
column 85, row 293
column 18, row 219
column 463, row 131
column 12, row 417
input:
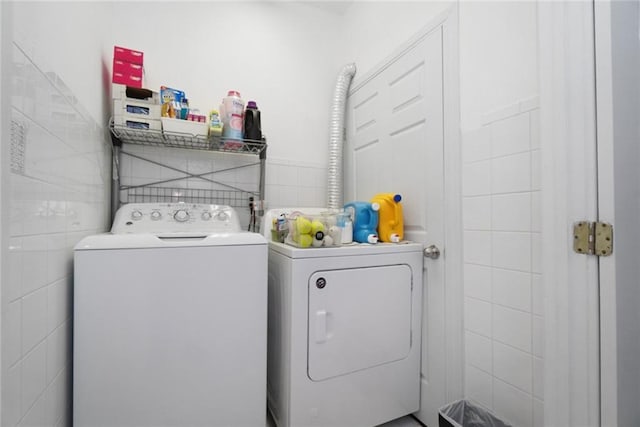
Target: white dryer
column 344, row 332
column 170, row 313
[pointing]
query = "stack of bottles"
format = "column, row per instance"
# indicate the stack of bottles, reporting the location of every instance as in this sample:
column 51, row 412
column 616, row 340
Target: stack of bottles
column 381, row 219
column 235, row 123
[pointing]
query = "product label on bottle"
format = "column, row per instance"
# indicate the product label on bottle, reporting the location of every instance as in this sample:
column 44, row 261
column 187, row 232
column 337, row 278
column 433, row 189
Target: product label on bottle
column 234, row 129
column 236, row 122
column 237, row 107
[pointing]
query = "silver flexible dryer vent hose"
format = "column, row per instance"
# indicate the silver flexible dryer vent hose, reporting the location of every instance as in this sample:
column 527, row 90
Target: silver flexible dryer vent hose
column 336, row 137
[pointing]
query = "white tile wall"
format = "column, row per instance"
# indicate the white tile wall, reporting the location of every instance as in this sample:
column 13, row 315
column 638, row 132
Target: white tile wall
column 479, row 386
column 538, row 378
column 477, row 247
column 538, row 413
column 538, row 336
column 512, row 366
column 537, row 294
column 511, row 250
column 479, row 352
column 511, row 135
column 477, row 281
column 477, row 316
column 12, row 402
column 511, row 212
column 477, row 213
column 476, row 145
column 512, row 289
column 295, row 184
column 59, row 196
column 512, row 327
column 476, row 178
column 512, row 404
column 511, row 174
column 502, row 275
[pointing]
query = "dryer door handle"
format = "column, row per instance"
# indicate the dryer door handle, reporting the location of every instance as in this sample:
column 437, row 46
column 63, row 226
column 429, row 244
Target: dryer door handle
column 321, row 326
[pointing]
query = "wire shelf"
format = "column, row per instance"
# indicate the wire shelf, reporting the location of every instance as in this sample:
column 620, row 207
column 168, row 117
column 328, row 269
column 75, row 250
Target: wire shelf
column 233, row 198
column 183, row 140
column 241, row 198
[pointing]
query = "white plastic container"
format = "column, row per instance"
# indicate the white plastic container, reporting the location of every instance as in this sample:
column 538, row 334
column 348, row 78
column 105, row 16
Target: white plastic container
column 136, row 121
column 136, row 107
column 312, row 231
column 232, row 114
column 188, row 127
column 345, row 223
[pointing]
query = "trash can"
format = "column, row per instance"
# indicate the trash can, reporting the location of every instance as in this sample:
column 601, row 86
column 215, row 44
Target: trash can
column 463, row 413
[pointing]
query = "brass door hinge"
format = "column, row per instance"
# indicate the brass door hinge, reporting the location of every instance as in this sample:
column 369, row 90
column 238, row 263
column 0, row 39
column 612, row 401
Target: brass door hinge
column 593, row 238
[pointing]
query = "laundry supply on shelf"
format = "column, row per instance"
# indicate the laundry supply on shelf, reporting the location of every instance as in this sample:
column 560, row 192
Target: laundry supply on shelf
column 311, row 231
column 215, row 124
column 128, row 68
column 390, row 221
column 365, row 221
column 232, row 111
column 252, row 122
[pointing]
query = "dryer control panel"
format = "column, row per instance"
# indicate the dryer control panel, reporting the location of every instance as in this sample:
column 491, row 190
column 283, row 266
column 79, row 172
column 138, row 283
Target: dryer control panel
column 172, row 218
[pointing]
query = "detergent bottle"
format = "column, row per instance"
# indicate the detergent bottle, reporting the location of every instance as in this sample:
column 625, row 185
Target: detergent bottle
column 390, row 225
column 365, row 221
column 252, row 126
column 231, row 114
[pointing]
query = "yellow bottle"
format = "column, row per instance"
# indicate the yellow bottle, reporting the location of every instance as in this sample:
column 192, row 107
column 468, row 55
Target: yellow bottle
column 215, row 125
column 390, row 224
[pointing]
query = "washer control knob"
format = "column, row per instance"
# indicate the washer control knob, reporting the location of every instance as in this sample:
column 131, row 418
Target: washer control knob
column 156, row 215
column 181, row 215
column 136, row 215
column 222, row 216
column 206, row 216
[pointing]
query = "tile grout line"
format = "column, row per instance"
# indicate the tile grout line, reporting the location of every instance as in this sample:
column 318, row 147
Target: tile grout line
column 531, row 175
column 491, row 262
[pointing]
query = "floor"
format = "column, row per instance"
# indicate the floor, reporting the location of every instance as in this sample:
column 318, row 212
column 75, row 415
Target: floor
column 407, row 421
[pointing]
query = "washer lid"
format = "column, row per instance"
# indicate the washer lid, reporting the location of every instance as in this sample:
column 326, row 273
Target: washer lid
column 168, row 240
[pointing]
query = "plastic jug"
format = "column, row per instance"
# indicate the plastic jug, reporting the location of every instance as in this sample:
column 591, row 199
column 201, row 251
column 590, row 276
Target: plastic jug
column 365, row 221
column 390, row 225
column 232, row 113
column 252, row 125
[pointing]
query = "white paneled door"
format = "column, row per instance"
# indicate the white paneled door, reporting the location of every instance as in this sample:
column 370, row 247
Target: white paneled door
column 395, row 144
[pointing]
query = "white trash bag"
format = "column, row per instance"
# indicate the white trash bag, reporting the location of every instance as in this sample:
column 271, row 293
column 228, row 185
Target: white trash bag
column 463, row 413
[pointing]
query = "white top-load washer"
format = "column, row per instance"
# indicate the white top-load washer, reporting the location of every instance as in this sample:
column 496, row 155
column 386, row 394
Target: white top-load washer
column 170, row 313
column 344, row 338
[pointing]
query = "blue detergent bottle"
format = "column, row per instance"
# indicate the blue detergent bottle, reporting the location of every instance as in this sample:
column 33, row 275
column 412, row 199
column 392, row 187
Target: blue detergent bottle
column 365, row 221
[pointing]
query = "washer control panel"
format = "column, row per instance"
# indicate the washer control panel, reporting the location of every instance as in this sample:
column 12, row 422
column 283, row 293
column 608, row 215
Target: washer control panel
column 175, row 218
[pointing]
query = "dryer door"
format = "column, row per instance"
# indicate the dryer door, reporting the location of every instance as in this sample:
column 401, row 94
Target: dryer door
column 358, row 318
